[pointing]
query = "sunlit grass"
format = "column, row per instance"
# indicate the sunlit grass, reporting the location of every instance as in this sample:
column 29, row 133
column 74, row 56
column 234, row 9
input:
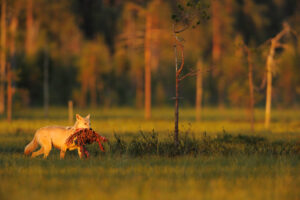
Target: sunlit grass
column 153, row 176
column 255, row 177
column 285, row 123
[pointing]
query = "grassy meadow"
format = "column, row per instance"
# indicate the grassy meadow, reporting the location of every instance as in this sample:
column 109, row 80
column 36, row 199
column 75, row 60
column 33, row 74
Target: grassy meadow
column 218, row 158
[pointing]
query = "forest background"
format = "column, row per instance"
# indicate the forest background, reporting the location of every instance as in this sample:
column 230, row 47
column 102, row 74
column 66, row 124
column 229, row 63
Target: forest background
column 94, row 53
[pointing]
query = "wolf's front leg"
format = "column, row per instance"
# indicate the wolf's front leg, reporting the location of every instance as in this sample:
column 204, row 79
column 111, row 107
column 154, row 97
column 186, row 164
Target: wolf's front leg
column 79, row 152
column 84, row 151
column 62, row 154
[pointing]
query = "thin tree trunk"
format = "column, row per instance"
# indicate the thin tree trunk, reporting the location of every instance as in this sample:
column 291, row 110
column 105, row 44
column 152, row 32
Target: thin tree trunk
column 216, row 26
column 251, row 88
column 148, row 67
column 132, row 43
column 9, row 93
column 270, row 60
column 199, row 90
column 176, row 97
column 269, row 84
column 3, row 57
column 11, row 66
column 46, row 84
column 177, row 82
column 29, row 28
column 139, row 88
column 217, row 50
column 93, row 91
column 70, row 111
column 176, row 131
column 84, row 86
column 93, row 81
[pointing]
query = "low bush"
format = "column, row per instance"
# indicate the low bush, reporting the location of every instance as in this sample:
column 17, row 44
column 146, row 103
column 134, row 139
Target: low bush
column 225, row 144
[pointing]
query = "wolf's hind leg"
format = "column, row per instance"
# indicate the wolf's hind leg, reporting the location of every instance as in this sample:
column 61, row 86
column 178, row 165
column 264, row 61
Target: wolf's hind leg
column 47, row 151
column 37, row 153
column 46, row 144
column 47, row 148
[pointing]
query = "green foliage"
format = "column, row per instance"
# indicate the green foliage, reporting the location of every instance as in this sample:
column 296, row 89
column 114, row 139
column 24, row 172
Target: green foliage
column 118, row 147
column 191, row 13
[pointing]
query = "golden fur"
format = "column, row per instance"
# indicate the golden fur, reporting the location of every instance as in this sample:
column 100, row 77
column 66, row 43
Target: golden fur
column 56, row 136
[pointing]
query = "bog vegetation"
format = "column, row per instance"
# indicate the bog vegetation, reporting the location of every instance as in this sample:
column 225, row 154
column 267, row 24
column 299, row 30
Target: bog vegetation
column 219, row 157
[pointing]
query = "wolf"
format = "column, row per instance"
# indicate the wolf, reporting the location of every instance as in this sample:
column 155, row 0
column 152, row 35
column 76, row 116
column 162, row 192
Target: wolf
column 56, row 136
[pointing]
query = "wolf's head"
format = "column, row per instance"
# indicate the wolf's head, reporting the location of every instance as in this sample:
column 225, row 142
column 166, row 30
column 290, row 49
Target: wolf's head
column 82, row 122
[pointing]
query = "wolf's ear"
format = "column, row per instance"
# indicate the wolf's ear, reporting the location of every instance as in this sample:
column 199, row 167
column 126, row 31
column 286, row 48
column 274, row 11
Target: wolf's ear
column 88, row 116
column 78, row 117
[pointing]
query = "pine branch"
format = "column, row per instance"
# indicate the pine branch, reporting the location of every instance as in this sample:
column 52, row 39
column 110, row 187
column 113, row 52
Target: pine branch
column 195, row 72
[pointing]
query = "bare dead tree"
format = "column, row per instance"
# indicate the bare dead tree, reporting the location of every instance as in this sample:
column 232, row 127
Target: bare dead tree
column 189, row 15
column 275, row 43
column 178, row 44
column 178, row 73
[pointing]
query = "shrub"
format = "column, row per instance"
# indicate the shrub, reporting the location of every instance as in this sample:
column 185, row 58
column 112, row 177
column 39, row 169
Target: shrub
column 225, row 144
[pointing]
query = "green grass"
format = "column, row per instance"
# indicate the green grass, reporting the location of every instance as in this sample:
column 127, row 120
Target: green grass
column 236, row 163
column 217, row 177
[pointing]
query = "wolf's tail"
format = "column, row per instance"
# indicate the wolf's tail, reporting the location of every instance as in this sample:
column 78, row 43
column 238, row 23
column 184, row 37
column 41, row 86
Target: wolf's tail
column 31, row 146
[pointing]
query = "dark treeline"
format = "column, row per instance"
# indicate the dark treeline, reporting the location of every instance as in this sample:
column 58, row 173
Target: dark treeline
column 93, row 52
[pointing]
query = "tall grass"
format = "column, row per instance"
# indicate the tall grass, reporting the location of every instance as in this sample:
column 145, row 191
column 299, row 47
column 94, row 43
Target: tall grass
column 145, row 144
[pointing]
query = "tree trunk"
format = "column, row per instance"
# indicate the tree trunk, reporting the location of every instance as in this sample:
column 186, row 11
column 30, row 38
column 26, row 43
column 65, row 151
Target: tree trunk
column 176, row 131
column 269, row 84
column 93, row 92
column 148, row 67
column 251, row 89
column 217, row 50
column 199, row 90
column 83, row 97
column 29, row 28
column 133, row 46
column 11, row 66
column 270, row 60
column 3, row 57
column 216, row 26
column 139, row 88
column 178, row 72
column 70, row 111
column 176, row 140
column 9, row 93
column 46, row 83
column 93, row 81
